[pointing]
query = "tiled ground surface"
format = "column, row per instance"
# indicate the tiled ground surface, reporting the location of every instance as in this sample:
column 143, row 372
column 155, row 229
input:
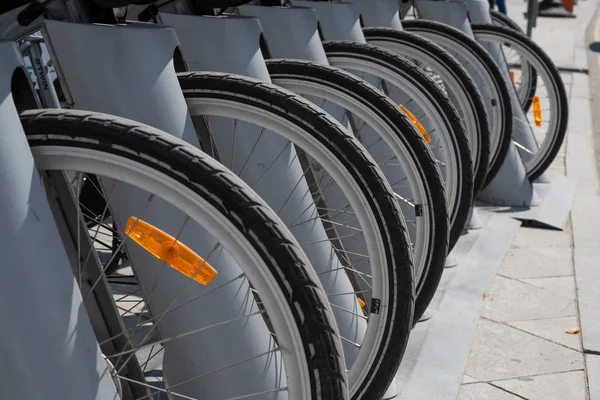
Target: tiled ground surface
column 521, row 349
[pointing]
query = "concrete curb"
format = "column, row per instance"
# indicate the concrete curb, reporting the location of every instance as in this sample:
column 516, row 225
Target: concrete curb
column 584, row 124
column 593, row 374
column 438, row 366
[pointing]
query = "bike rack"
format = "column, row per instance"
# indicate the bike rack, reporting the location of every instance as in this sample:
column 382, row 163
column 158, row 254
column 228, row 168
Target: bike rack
column 544, row 203
column 511, row 186
column 341, row 21
column 108, row 77
column 478, row 12
column 129, row 71
column 38, row 286
column 303, row 42
column 459, row 297
column 385, row 13
column 243, row 34
column 473, row 246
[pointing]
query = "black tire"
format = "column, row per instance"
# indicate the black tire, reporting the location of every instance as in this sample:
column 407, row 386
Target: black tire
column 408, row 71
column 555, row 86
column 487, row 64
column 461, row 79
column 341, row 81
column 236, row 202
column 346, row 148
column 502, row 20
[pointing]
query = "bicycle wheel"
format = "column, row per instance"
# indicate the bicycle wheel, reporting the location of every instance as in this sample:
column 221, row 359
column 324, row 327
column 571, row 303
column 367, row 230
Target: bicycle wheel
column 355, row 223
column 550, row 95
column 399, row 150
column 488, row 78
column 406, row 84
column 454, row 81
column 215, row 214
column 527, row 81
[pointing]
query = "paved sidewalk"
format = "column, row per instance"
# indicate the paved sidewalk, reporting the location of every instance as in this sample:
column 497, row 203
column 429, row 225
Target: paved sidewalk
column 521, row 349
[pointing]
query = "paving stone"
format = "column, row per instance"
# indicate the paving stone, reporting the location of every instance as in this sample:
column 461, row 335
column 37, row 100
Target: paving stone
column 562, row 151
column 579, row 120
column 557, row 42
column 439, row 369
column 503, row 352
column 479, row 391
column 468, row 379
column 543, row 260
column 564, row 285
column 580, row 91
column 545, row 363
column 537, row 261
column 512, row 300
column 568, row 228
column 567, row 78
column 557, row 168
column 553, row 329
column 559, row 165
column 541, row 238
column 580, row 59
column 563, row 386
column 593, row 374
column 568, row 84
column 559, row 161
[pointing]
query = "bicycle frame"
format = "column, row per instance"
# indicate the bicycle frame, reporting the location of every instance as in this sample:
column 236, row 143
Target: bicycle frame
column 38, row 286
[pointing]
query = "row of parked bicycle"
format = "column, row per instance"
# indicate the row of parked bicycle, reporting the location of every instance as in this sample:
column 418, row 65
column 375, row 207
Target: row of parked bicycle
column 283, row 232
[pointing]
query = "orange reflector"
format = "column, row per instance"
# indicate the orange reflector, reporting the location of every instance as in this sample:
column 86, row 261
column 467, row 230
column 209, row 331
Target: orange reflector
column 416, row 122
column 361, row 303
column 537, row 111
column 164, row 247
column 512, row 75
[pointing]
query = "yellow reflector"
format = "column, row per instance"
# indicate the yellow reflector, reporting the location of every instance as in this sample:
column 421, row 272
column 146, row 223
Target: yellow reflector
column 537, row 111
column 361, row 303
column 512, row 75
column 164, row 247
column 416, row 122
